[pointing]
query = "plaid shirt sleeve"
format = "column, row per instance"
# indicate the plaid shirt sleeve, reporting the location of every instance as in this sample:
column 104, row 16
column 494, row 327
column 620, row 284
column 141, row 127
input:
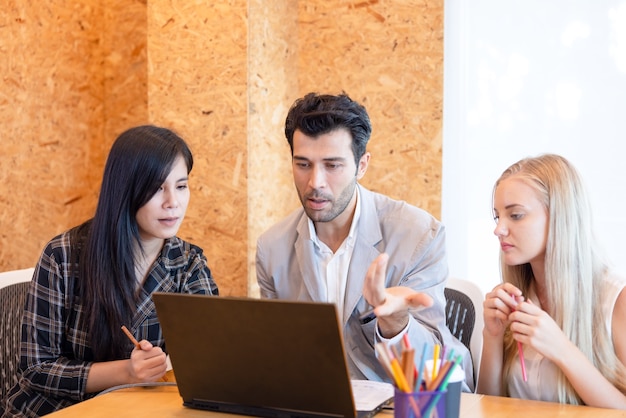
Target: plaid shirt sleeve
column 51, row 376
column 55, row 353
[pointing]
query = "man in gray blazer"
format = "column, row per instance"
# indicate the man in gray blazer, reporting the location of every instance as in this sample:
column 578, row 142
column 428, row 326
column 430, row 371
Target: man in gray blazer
column 350, row 246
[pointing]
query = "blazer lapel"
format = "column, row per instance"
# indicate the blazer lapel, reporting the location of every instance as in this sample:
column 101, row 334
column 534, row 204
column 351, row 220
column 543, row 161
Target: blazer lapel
column 365, row 251
column 305, row 250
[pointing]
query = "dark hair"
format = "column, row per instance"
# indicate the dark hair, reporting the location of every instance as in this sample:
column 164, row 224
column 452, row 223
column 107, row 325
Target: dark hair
column 139, row 162
column 317, row 114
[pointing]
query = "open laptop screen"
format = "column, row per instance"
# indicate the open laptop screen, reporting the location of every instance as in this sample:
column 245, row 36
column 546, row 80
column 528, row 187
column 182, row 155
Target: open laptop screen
column 259, row 357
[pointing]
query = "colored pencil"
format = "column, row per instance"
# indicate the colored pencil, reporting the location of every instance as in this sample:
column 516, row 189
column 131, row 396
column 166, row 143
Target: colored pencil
column 131, row 337
column 520, row 351
column 435, row 358
column 420, row 371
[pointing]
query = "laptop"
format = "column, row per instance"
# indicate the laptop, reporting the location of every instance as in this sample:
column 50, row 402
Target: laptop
column 268, row 358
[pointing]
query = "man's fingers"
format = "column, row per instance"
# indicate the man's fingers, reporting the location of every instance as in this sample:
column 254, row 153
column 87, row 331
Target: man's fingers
column 374, row 290
column 401, row 298
column 416, row 300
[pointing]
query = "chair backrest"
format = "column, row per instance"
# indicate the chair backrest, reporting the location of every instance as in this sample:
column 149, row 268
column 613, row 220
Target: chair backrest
column 464, row 316
column 13, row 289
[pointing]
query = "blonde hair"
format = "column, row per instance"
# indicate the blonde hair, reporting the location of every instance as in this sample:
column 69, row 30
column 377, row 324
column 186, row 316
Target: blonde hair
column 574, row 269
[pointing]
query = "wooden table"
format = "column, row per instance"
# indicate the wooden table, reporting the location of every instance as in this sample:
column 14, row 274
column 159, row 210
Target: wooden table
column 164, row 401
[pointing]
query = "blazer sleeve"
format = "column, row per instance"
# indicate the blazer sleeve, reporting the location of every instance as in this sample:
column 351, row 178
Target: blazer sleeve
column 264, row 279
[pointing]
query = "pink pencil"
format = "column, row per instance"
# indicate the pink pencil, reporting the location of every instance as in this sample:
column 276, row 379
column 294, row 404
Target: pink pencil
column 520, row 351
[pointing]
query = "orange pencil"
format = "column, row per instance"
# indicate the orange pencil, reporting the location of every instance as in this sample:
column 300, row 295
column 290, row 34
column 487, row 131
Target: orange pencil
column 131, row 337
column 408, row 366
column 398, row 374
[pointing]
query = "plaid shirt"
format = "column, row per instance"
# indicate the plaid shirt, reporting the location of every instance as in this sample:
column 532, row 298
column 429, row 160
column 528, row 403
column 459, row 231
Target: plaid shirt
column 55, row 352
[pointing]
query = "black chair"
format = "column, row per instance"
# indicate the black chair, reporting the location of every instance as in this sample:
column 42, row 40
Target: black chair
column 12, row 297
column 464, row 316
column 460, row 315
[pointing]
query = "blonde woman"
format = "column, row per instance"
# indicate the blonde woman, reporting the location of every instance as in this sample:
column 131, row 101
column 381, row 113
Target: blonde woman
column 559, row 303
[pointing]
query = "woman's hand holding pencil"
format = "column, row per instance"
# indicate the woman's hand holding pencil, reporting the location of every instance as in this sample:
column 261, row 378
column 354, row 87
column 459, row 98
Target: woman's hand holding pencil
column 499, row 304
column 147, row 363
column 520, row 352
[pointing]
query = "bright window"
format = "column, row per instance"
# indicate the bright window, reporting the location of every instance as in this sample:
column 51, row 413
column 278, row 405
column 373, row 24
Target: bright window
column 522, row 78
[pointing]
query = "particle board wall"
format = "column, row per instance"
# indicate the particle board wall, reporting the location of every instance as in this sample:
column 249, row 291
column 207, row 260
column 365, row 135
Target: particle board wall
column 272, row 86
column 222, row 74
column 389, row 56
column 73, row 74
column 125, row 72
column 198, row 85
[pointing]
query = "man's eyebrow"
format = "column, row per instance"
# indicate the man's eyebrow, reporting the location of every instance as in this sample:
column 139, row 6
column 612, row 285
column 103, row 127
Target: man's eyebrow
column 297, row 157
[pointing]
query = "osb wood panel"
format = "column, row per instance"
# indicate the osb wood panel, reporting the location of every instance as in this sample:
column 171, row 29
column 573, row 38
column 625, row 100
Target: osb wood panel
column 58, row 118
column 125, row 67
column 50, row 105
column 197, row 85
column 389, row 56
column 386, row 54
column 273, row 79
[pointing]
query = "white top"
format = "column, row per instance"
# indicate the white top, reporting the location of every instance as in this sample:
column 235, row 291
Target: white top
column 541, row 372
column 333, row 267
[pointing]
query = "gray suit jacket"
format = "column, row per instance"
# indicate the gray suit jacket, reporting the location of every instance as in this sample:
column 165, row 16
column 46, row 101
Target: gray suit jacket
column 415, row 242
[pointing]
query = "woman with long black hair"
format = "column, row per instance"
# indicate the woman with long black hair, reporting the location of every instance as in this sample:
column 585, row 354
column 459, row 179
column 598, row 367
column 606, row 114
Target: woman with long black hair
column 100, row 275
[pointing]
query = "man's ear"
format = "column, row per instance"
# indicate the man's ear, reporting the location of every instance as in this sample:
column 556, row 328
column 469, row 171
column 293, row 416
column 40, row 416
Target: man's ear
column 363, row 164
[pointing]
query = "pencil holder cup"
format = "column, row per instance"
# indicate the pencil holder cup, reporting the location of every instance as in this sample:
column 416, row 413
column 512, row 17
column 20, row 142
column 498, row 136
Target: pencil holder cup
column 423, row 404
column 454, row 389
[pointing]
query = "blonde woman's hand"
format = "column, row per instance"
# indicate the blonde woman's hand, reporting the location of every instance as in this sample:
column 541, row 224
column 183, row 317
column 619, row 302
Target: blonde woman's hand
column 498, row 306
column 533, row 326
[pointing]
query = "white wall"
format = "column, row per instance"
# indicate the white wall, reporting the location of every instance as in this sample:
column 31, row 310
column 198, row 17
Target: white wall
column 523, row 77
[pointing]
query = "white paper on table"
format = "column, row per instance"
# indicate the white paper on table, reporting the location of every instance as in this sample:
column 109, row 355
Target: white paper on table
column 370, row 395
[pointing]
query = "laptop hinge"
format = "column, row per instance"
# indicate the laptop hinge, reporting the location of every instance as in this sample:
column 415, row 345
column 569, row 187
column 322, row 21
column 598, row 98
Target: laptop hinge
column 258, row 411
